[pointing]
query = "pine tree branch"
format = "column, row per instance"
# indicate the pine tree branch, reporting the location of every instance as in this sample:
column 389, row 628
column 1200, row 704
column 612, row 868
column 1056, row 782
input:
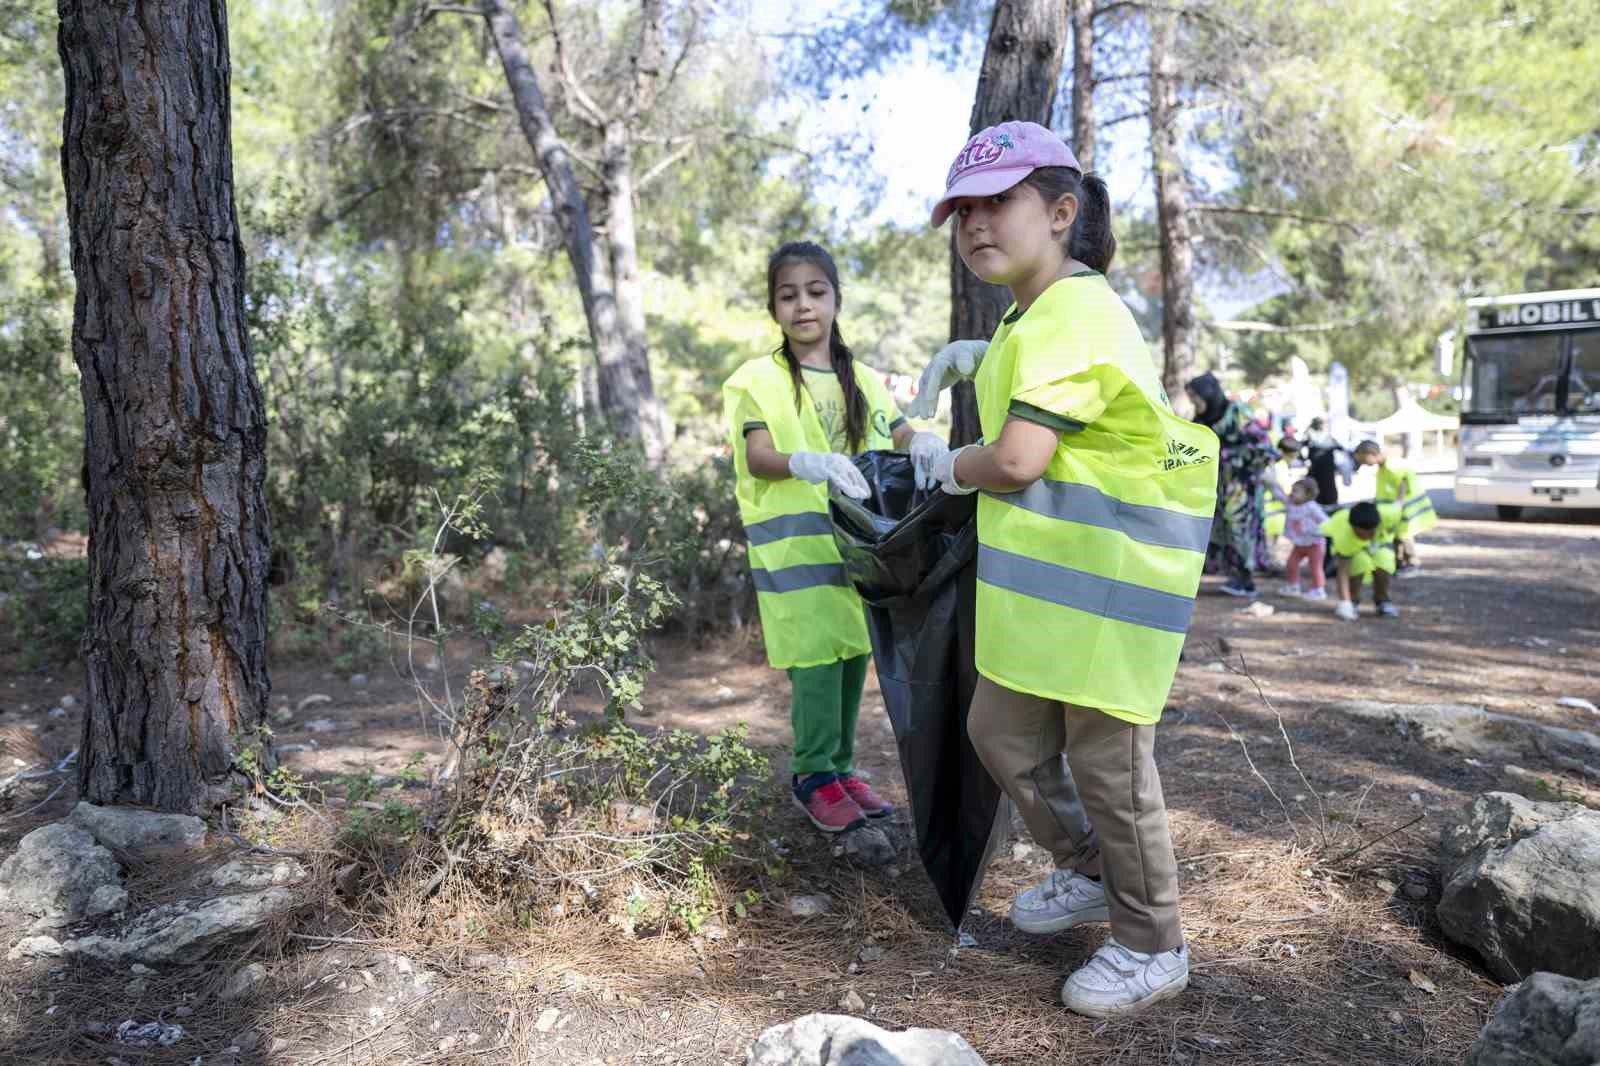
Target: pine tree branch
column 592, row 112
column 1268, row 212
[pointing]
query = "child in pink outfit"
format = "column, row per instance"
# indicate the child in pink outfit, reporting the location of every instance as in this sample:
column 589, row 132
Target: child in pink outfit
column 1303, row 516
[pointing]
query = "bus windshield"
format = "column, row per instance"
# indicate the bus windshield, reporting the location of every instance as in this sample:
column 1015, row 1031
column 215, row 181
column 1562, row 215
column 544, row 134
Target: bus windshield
column 1513, row 375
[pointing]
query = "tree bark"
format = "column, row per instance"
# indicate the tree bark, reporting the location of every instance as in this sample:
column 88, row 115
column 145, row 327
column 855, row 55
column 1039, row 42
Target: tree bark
column 1017, row 82
column 175, row 427
column 1083, row 124
column 626, row 392
column 1172, row 209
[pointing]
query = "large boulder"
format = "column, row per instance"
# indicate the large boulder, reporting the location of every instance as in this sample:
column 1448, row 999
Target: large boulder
column 60, row 875
column 186, row 930
column 1548, row 1020
column 133, row 829
column 840, row 1040
column 1522, row 885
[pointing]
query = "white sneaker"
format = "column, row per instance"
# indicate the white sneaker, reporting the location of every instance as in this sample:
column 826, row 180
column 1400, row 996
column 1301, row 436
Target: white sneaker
column 1347, row 611
column 1315, row 593
column 1120, row 981
column 1062, row 900
column 1287, row 589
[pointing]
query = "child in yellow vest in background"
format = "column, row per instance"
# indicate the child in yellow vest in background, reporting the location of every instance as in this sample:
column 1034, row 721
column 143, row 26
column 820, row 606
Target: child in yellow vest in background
column 1092, row 532
column 794, row 419
column 1397, row 484
column 1274, row 507
column 1363, row 539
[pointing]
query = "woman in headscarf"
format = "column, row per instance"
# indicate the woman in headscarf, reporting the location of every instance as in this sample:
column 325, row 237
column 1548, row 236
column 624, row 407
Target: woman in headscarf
column 1238, row 535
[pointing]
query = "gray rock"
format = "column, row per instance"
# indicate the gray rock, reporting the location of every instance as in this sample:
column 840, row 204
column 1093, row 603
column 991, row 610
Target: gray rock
column 358, row 680
column 809, row 906
column 187, row 930
column 60, row 875
column 1522, row 885
column 869, row 846
column 132, row 829
column 281, row 714
column 1469, row 730
column 36, row 947
column 57, row 712
column 239, row 873
column 68, row 702
column 316, row 699
column 840, row 1040
column 1547, row 1020
column 243, row 982
column 321, row 725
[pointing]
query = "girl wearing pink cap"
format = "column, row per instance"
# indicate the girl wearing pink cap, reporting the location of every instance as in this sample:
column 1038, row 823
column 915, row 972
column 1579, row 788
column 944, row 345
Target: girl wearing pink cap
column 1092, row 529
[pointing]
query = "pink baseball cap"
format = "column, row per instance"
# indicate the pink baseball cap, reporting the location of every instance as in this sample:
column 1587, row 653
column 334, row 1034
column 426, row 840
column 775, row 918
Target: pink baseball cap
column 997, row 158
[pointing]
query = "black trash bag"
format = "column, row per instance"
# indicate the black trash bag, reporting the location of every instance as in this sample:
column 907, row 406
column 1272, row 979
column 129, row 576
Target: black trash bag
column 912, row 556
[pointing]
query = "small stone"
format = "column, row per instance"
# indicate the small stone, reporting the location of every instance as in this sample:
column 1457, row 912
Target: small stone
column 871, row 953
column 1416, row 797
column 547, row 1019
column 1394, row 1018
column 182, row 1012
column 1387, row 887
column 139, row 969
column 243, row 982
column 68, row 702
column 321, row 725
column 1417, row 890
column 137, row 986
column 852, row 968
column 869, row 846
column 279, row 1044
column 316, row 699
column 1215, row 668
column 852, row 1001
column 58, row 712
column 358, row 680
column 810, row 906
column 36, row 947
column 281, row 714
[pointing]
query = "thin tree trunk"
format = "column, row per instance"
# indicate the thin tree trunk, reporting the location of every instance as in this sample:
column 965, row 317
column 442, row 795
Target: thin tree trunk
column 1083, row 122
column 626, row 393
column 175, row 427
column 1172, row 209
column 1021, row 67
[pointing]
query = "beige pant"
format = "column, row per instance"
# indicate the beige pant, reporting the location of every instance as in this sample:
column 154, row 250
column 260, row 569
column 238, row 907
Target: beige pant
column 1086, row 785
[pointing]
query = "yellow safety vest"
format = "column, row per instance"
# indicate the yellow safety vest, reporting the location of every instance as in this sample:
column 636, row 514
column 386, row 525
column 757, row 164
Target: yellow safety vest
column 810, row 614
column 1087, row 578
column 1275, row 513
column 1416, row 510
column 1365, row 555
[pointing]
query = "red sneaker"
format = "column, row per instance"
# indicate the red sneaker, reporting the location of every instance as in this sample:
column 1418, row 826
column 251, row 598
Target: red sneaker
column 831, row 809
column 872, row 805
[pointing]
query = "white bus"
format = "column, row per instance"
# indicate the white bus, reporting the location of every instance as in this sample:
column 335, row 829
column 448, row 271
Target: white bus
column 1530, row 401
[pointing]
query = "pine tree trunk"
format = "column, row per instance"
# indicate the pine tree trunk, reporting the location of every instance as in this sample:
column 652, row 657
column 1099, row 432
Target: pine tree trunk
column 626, row 392
column 175, row 428
column 1084, row 129
column 1172, row 210
column 1021, row 68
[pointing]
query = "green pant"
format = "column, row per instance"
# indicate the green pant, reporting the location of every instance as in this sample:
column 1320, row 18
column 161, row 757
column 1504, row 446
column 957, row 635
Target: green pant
column 827, row 701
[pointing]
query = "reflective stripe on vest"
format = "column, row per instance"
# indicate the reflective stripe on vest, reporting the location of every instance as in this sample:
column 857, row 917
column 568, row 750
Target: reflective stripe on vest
column 1414, row 506
column 1071, row 502
column 809, row 524
column 795, row 578
column 1083, row 591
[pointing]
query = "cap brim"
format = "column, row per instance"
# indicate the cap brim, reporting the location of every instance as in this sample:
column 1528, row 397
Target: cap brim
column 986, row 183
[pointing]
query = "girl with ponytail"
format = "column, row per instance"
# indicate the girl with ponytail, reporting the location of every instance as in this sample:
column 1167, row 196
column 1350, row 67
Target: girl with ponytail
column 1092, row 532
column 795, row 417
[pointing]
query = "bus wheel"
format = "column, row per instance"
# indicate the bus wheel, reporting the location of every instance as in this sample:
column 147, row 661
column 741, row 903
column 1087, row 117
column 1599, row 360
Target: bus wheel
column 1510, row 512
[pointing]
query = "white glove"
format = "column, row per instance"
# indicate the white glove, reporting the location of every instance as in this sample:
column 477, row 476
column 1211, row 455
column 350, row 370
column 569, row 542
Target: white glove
column 835, row 469
column 944, row 472
column 1347, row 611
column 956, row 361
column 927, row 449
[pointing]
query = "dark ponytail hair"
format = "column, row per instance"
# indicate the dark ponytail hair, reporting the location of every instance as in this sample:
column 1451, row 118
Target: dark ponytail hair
column 839, row 354
column 1090, row 240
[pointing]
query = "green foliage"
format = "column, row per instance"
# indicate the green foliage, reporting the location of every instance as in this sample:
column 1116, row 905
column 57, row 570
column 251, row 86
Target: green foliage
column 47, row 606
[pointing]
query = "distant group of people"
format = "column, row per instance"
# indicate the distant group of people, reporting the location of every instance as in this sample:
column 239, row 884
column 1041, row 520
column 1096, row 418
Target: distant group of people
column 1259, row 500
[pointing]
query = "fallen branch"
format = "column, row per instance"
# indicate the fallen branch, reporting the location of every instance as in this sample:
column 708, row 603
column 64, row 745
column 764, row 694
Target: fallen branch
column 1353, row 852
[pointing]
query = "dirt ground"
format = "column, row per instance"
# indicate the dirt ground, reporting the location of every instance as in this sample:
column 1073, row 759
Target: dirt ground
column 1301, row 951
